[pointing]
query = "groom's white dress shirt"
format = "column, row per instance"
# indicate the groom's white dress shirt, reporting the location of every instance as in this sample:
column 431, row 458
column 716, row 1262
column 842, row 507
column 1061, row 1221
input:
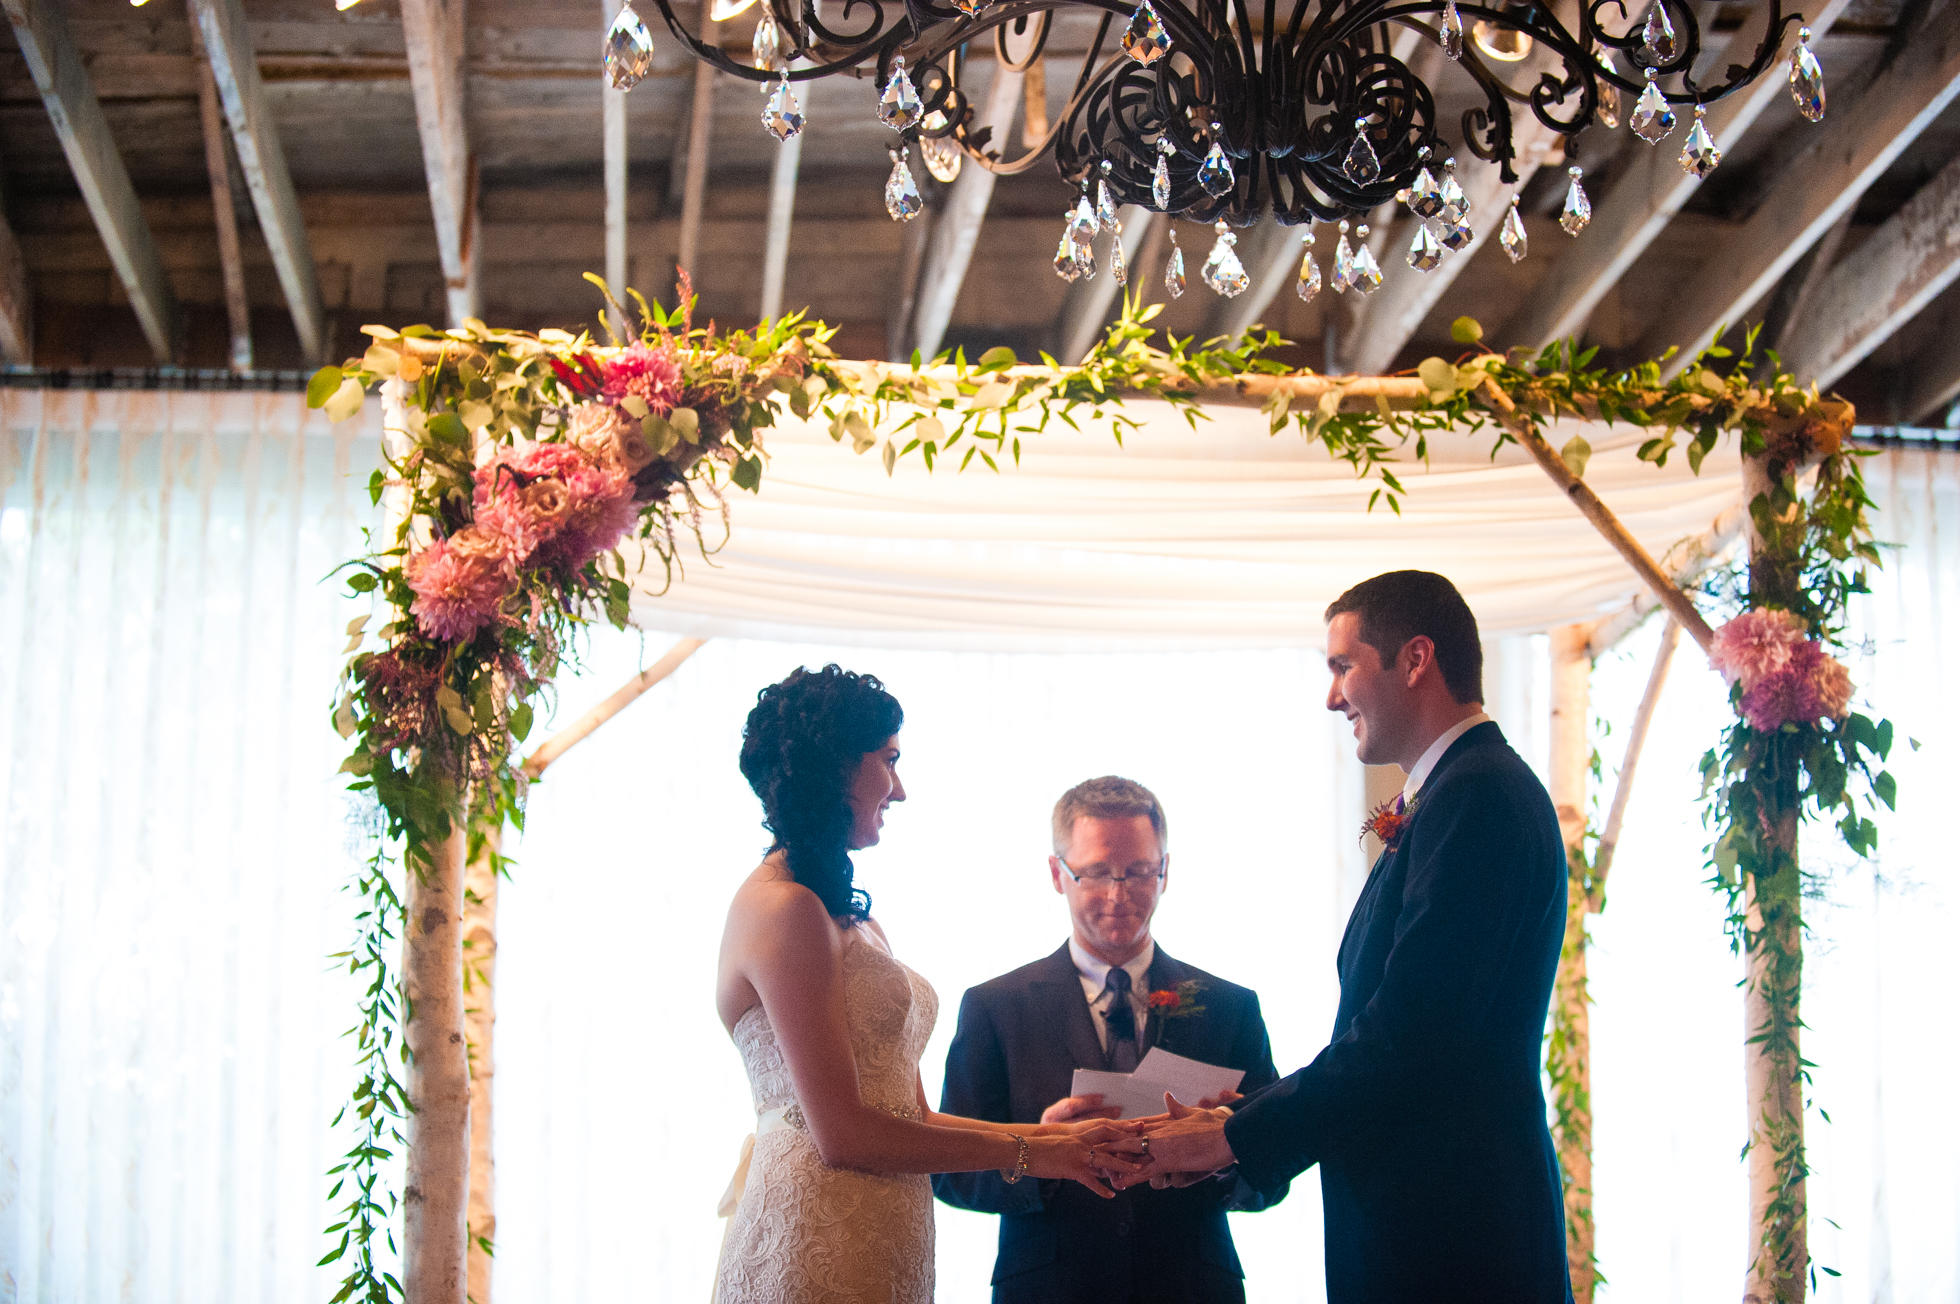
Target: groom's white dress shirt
column 1420, row 774
column 1095, row 977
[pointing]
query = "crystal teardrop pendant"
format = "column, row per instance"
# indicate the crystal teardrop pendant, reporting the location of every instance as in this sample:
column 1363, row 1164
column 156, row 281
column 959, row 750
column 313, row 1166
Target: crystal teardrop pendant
column 1119, row 270
column 941, row 155
column 1085, row 261
column 1607, row 108
column 1105, row 203
column 1082, row 221
column 1361, row 164
column 1658, row 38
column 1425, row 196
column 1456, row 204
column 767, row 47
column 1652, row 118
column 780, row 113
column 1367, row 274
column 1699, row 153
column 1452, row 31
column 1578, row 209
column 1806, row 79
column 1343, row 263
column 1160, row 180
column 1425, row 251
column 902, row 199
column 1215, row 173
column 1309, row 283
column 1513, row 237
column 969, row 7
column 1145, row 39
column 1065, row 259
column 1222, row 271
column 1456, row 236
column 629, row 50
column 899, row 107
column 1174, row 270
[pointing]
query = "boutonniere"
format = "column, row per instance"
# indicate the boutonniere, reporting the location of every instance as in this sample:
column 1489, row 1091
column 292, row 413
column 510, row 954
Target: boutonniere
column 1179, row 1002
column 1389, row 820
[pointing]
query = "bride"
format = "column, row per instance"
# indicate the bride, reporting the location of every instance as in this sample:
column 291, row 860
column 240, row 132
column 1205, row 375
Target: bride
column 837, row 1205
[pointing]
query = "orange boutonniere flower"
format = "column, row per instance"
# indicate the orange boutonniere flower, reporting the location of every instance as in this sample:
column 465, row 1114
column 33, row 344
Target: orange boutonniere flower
column 1388, row 821
column 1180, row 1002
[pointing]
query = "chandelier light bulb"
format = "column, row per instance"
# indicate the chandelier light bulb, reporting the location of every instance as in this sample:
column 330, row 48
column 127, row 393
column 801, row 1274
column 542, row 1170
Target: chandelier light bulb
column 1502, row 43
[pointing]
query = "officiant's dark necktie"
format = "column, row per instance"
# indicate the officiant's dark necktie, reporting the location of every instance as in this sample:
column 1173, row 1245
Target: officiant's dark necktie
column 1121, row 1022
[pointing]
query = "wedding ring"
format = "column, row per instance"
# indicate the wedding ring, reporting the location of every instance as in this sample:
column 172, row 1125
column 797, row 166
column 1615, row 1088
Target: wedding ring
column 1146, row 1147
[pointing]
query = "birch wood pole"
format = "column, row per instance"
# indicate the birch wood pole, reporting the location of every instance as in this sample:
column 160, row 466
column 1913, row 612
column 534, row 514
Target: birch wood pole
column 629, row 692
column 1569, row 1055
column 480, row 1027
column 1643, row 719
column 435, row 1195
column 1772, row 1019
column 1525, row 430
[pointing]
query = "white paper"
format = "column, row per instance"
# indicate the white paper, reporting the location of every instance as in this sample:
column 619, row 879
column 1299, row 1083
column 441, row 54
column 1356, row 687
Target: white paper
column 1141, row 1094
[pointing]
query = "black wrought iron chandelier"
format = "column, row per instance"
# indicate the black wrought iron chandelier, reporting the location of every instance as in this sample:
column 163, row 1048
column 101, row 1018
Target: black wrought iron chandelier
column 1215, row 113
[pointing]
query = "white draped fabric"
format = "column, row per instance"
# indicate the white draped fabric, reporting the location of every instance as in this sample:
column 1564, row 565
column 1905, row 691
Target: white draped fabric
column 1225, row 536
column 174, row 842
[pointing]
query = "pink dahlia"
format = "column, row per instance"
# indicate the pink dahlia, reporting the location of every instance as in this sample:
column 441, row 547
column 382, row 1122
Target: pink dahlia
column 600, row 512
column 603, row 431
column 457, row 589
column 650, row 373
column 1755, row 644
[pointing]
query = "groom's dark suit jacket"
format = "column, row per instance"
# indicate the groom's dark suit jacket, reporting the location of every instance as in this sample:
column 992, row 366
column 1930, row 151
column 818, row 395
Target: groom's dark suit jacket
column 1020, row 1039
column 1425, row 1114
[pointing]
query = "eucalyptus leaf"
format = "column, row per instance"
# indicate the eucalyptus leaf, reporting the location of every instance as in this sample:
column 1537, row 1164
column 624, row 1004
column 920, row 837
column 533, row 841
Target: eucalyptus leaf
column 1576, row 453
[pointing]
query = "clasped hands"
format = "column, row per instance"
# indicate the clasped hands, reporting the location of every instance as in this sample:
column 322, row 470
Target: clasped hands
column 1178, row 1147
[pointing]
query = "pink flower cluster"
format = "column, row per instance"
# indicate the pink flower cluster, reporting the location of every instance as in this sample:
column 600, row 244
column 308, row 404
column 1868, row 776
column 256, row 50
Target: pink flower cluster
column 1786, row 676
column 650, row 373
column 556, row 505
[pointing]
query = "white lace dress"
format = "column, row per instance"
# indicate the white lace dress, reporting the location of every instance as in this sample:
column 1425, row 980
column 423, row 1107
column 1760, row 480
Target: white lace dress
column 806, row 1233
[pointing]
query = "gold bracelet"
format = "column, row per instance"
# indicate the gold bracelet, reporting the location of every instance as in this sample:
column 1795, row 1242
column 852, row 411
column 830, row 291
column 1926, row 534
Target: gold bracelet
column 1020, row 1169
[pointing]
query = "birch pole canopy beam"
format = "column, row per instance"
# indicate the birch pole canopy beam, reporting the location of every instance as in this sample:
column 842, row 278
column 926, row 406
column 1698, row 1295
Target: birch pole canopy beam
column 629, row 692
column 480, row 1028
column 1885, row 283
column 434, row 32
column 436, row 1186
column 1643, row 719
column 1653, row 188
column 56, row 67
column 1851, row 149
column 1085, row 310
column 1569, row 1051
column 958, row 227
column 1686, row 562
column 227, row 44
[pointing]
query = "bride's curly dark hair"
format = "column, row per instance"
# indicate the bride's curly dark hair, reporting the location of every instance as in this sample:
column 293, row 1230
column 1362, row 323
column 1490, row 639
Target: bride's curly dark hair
column 800, row 748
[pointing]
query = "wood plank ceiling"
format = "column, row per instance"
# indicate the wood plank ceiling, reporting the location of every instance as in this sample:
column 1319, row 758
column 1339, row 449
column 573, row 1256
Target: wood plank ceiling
column 351, row 205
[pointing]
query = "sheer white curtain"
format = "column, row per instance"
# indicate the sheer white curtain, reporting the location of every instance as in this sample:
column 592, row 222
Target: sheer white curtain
column 174, row 843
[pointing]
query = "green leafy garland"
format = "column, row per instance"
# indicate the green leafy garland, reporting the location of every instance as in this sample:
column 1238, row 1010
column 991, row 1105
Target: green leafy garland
column 435, row 711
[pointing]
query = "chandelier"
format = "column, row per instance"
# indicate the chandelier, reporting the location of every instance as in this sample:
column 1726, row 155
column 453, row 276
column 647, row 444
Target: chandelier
column 1214, row 113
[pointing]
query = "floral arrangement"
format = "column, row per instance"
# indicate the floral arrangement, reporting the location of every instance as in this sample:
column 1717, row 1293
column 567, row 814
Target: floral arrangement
column 1784, row 676
column 1179, row 1002
column 1388, row 820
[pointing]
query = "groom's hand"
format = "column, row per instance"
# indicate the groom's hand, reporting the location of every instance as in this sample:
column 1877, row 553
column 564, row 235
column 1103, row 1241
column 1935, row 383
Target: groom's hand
column 1072, row 1109
column 1180, row 1147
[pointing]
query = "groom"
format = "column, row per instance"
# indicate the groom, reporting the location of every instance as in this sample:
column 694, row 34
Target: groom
column 1438, row 1178
column 1022, row 1036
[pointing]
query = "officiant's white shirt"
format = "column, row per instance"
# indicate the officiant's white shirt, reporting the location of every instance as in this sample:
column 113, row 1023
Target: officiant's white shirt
column 1095, row 977
column 1420, row 775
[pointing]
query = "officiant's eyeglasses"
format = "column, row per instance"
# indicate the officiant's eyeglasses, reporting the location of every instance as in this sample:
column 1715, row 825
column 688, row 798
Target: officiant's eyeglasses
column 1100, row 875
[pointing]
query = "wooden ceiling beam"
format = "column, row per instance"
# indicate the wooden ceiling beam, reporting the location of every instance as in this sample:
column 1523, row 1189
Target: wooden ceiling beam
column 228, row 50
column 782, row 209
column 1870, row 294
column 1848, row 152
column 56, row 66
column 16, row 301
column 1932, row 377
column 701, row 121
column 1645, row 198
column 434, row 32
column 950, row 250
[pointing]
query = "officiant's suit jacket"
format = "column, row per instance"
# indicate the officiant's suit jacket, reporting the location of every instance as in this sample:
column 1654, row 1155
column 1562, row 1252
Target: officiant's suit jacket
column 1437, row 1173
column 1020, row 1039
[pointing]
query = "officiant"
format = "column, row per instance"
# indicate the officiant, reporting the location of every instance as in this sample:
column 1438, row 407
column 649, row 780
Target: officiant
column 1102, row 1001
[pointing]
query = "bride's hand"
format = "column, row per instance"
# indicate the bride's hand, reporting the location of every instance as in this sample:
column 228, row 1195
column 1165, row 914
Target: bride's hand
column 1076, row 1159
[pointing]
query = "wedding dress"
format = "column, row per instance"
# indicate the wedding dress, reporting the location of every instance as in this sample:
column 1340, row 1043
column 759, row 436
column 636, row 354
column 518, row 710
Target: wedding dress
column 802, row 1232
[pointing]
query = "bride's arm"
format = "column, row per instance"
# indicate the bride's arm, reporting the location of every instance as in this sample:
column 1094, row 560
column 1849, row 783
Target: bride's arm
column 793, row 956
column 937, row 1119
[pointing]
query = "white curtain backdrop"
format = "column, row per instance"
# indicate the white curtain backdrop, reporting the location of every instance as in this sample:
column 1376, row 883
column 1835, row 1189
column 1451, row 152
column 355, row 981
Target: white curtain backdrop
column 174, row 842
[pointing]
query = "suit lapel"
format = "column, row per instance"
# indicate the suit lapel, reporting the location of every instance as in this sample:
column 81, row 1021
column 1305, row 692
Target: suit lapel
column 1057, row 994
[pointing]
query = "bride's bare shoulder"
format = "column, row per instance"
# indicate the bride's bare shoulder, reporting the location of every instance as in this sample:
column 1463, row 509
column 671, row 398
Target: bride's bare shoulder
column 770, row 900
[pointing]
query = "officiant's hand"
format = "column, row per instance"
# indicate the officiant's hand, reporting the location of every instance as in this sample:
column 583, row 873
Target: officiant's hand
column 1181, row 1143
column 1070, row 1108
